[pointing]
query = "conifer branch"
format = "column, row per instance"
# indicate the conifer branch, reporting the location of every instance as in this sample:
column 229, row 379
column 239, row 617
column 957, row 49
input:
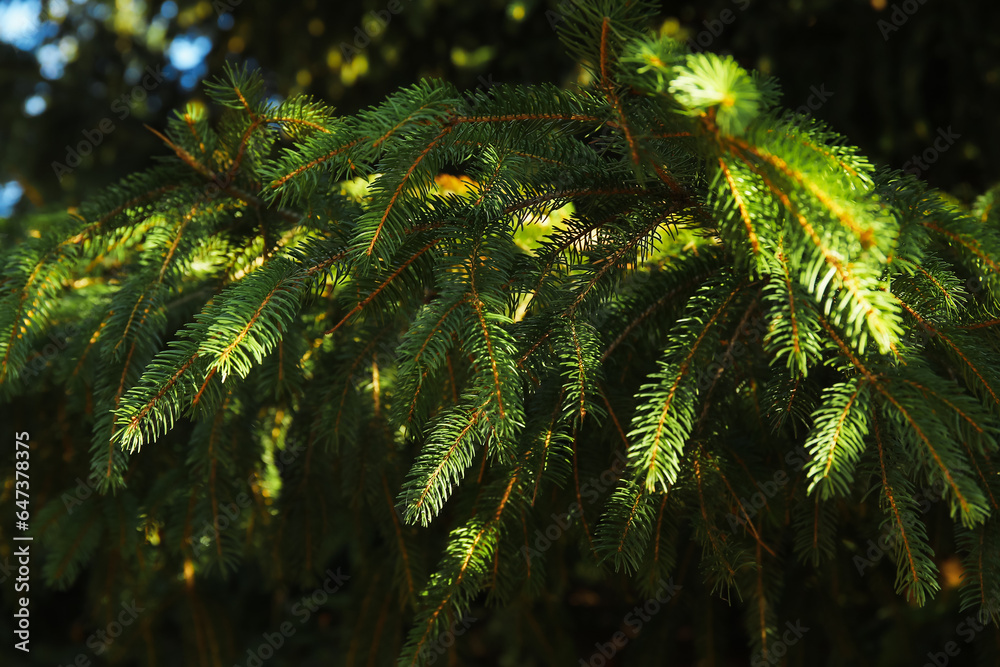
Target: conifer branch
column 505, row 303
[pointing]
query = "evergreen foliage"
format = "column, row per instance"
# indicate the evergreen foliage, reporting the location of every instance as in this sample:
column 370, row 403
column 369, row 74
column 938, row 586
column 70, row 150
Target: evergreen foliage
column 305, row 316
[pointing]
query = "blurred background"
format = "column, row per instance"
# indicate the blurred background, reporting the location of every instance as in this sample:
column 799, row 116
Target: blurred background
column 893, row 77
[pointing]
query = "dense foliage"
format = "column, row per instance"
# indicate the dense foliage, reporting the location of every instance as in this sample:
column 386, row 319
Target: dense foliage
column 479, row 348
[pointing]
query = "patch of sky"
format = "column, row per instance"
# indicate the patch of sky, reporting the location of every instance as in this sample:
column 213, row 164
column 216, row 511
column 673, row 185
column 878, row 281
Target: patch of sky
column 21, row 24
column 35, row 105
column 99, row 11
column 10, row 194
column 187, row 55
column 168, row 9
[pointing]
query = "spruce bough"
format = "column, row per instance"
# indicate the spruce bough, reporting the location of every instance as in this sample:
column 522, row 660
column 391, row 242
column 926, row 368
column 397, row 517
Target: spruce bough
column 700, row 336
